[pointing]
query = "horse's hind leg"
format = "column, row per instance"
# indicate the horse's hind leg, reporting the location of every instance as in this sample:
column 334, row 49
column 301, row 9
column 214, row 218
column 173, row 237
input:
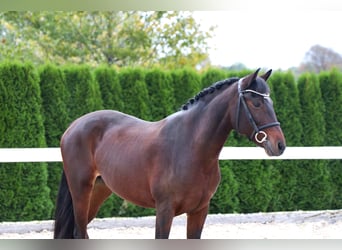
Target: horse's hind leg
column 100, row 193
column 81, row 177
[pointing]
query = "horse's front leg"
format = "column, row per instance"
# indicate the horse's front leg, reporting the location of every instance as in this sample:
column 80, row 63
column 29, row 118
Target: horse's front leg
column 195, row 223
column 164, row 217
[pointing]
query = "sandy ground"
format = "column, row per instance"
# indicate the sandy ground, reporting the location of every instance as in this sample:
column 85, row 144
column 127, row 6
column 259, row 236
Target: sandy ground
column 279, row 225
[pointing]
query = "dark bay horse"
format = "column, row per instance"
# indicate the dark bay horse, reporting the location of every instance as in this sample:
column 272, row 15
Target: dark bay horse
column 170, row 165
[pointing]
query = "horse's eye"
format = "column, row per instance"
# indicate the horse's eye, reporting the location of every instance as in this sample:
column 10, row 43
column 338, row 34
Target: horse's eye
column 257, row 103
column 254, row 95
column 257, row 100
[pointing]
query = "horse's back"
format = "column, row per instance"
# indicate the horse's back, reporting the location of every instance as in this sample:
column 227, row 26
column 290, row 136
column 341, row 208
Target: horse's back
column 84, row 134
column 95, row 124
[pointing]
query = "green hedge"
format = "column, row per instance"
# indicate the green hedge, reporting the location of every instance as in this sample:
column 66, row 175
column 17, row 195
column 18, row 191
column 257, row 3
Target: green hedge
column 38, row 104
column 24, row 191
column 54, row 109
column 287, row 173
column 186, row 83
column 134, row 93
column 110, row 88
column 84, row 91
column 160, row 91
column 331, row 89
column 315, row 187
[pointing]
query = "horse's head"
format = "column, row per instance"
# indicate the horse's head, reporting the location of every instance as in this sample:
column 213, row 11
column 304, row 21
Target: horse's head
column 255, row 116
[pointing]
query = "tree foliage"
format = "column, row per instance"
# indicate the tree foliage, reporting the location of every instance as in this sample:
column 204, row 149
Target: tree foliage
column 211, row 76
column 84, row 91
column 331, row 89
column 317, row 177
column 110, row 37
column 24, row 191
column 330, row 84
column 135, row 93
column 225, row 199
column 110, row 88
column 159, row 86
column 286, row 104
column 320, row 58
column 56, row 117
column 186, row 83
column 246, row 186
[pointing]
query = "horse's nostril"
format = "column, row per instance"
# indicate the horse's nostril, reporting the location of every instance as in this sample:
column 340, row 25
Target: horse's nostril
column 281, row 147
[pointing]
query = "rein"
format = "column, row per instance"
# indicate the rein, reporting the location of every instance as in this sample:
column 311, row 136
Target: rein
column 257, row 130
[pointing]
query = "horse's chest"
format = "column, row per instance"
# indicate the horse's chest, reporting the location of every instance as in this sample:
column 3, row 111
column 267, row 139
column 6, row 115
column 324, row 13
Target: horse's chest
column 195, row 192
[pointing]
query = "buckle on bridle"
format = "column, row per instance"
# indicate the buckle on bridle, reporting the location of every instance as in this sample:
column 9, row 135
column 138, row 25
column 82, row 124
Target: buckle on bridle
column 262, row 139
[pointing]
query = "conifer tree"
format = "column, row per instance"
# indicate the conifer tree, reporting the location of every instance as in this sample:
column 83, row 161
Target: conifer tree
column 287, row 108
column 255, row 185
column 330, row 84
column 314, row 189
column 54, row 99
column 211, row 76
column 110, row 88
column 331, row 89
column 186, row 83
column 83, row 90
column 24, row 192
column 160, row 91
column 225, row 199
column 134, row 93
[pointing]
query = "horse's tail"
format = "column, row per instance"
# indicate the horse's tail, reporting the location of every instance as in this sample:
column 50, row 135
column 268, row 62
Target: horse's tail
column 64, row 213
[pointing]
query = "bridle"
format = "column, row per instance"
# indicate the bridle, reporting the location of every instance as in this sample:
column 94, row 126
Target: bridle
column 259, row 135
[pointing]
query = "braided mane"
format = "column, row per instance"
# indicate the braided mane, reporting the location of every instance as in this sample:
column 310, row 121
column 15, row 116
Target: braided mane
column 209, row 90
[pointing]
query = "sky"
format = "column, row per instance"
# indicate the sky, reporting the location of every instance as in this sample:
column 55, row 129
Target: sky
column 276, row 39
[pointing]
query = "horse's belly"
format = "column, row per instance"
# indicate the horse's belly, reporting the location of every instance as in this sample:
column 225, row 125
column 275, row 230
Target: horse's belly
column 131, row 186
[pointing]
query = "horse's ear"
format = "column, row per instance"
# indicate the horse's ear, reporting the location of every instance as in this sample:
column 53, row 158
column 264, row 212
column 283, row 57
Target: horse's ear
column 266, row 75
column 249, row 79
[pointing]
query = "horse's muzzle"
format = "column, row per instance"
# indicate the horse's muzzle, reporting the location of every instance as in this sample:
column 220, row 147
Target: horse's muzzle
column 275, row 148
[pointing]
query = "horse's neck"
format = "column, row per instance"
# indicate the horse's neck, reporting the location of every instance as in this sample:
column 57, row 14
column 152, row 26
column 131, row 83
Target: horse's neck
column 211, row 122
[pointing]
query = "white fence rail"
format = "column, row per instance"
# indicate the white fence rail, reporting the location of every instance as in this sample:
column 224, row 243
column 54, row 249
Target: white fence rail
column 227, row 153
